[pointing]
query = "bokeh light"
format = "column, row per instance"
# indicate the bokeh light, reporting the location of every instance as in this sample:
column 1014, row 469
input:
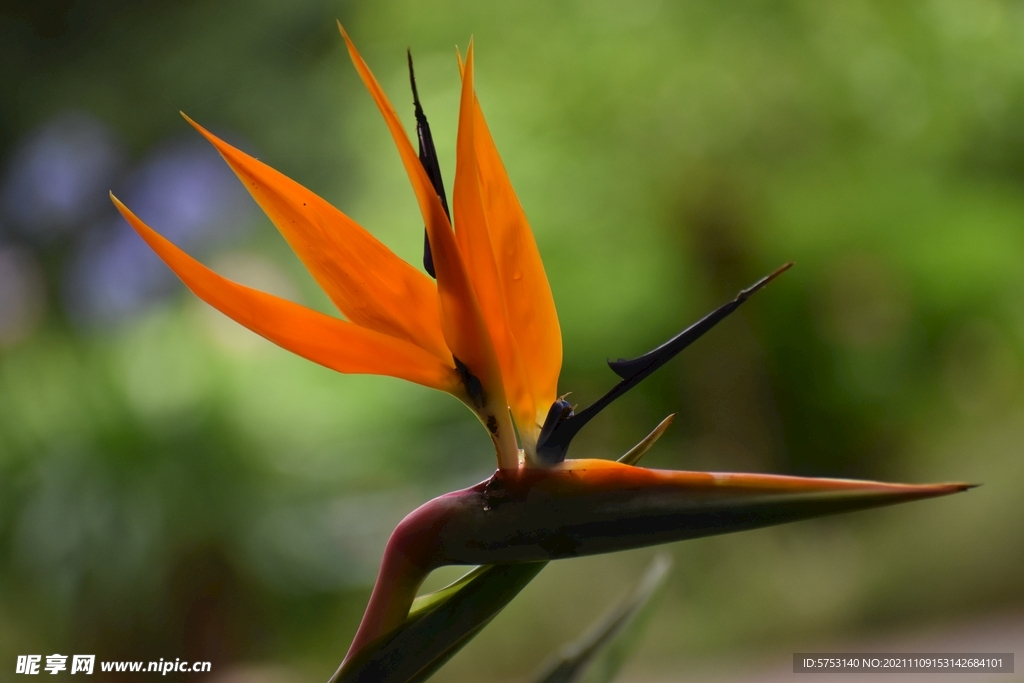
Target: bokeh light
column 55, row 177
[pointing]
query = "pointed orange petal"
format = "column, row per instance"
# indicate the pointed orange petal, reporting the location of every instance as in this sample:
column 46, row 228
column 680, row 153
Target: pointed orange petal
column 471, row 233
column 336, row 344
column 430, row 206
column 463, row 324
column 372, row 286
column 529, row 305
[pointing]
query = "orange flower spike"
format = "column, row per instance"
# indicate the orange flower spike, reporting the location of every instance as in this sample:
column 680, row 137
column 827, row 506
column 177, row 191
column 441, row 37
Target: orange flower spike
column 462, row 322
column 529, row 305
column 336, row 344
column 472, row 233
column 372, row 286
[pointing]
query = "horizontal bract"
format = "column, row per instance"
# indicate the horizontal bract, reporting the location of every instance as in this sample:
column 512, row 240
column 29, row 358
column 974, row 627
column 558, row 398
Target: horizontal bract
column 588, row 507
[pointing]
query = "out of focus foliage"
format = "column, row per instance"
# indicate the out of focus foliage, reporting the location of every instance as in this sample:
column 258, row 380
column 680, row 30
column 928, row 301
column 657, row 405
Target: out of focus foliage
column 173, row 486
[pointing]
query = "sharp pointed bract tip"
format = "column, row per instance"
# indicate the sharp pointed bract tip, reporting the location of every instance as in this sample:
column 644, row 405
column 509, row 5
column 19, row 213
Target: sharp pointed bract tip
column 935, row 490
column 946, row 487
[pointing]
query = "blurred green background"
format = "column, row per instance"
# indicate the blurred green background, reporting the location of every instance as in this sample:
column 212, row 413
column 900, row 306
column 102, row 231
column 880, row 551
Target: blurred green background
column 172, row 485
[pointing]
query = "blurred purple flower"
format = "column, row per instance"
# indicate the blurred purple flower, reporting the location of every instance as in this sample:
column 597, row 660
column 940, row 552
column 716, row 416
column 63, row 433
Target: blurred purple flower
column 56, row 177
column 185, row 188
column 112, row 277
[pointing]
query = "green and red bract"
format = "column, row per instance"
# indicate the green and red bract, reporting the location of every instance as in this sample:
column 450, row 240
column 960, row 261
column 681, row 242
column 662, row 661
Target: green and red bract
column 589, row 507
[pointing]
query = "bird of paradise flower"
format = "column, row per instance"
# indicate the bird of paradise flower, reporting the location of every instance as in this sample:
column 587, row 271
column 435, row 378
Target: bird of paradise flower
column 487, row 333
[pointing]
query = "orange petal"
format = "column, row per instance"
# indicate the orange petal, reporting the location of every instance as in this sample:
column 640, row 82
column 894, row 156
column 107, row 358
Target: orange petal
column 336, row 344
column 472, row 236
column 529, row 305
column 372, row 286
column 461, row 320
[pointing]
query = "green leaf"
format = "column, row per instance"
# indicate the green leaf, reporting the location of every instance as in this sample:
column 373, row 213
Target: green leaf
column 428, row 601
column 440, row 624
column 598, row 654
